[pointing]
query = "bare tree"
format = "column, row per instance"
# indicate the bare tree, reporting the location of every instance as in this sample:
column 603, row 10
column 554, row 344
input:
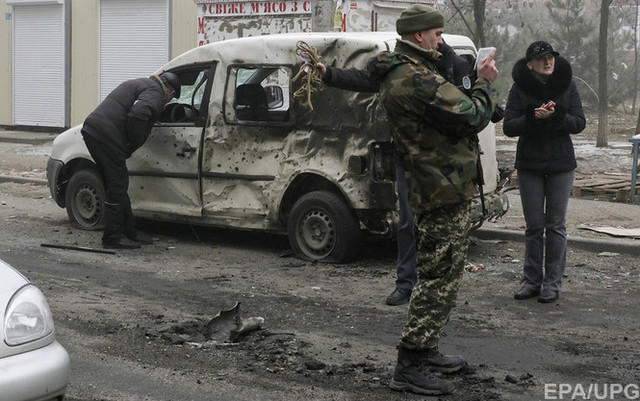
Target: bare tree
column 635, row 73
column 635, row 64
column 460, row 13
column 479, row 7
column 477, row 32
column 603, row 115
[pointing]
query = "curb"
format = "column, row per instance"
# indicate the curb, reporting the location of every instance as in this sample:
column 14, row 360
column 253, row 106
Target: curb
column 23, row 180
column 27, row 141
column 28, row 135
column 621, row 245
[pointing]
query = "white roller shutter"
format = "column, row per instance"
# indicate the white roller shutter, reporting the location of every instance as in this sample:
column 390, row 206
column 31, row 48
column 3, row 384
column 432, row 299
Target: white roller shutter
column 134, row 40
column 38, row 65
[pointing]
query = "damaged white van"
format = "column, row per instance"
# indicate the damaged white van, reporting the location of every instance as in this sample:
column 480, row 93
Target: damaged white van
column 237, row 150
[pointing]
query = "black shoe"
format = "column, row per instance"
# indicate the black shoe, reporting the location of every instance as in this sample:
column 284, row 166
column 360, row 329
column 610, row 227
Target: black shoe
column 141, row 238
column 548, row 296
column 526, row 292
column 407, row 377
column 120, row 243
column 433, row 360
column 420, row 385
column 399, row 296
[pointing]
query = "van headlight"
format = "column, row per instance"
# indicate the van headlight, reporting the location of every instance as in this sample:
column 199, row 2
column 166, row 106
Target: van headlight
column 28, row 317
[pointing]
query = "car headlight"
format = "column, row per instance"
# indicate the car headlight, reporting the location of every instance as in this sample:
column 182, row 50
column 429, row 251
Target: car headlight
column 28, row 317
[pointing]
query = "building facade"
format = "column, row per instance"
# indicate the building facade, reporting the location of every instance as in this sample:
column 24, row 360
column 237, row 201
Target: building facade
column 225, row 19
column 60, row 58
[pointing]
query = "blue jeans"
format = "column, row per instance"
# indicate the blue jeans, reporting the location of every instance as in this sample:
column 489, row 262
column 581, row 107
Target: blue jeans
column 406, row 263
column 545, row 198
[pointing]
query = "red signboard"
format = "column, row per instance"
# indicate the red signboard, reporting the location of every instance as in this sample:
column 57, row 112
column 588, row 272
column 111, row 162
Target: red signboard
column 241, row 8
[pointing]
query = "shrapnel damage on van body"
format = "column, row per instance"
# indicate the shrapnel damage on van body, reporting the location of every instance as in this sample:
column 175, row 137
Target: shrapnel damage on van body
column 265, row 162
column 236, row 150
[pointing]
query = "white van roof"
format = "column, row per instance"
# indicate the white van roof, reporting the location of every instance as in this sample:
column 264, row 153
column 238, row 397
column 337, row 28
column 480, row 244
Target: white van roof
column 281, row 48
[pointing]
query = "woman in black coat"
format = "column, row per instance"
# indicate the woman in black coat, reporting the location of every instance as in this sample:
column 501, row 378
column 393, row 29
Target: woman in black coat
column 543, row 110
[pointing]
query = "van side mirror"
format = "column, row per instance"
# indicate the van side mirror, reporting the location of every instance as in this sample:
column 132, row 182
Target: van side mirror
column 275, row 96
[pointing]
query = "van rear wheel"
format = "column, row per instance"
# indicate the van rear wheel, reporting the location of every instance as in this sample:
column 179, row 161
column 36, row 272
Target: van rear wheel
column 322, row 227
column 84, row 199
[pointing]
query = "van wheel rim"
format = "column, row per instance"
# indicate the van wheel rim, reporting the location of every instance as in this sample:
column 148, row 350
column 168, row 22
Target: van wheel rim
column 87, row 205
column 317, row 235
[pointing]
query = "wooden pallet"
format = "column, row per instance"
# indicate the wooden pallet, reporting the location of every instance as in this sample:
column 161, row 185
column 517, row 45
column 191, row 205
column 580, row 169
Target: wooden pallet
column 618, row 184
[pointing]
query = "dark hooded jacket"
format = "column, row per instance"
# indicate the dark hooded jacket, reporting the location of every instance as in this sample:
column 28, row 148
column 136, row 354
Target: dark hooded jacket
column 123, row 121
column 451, row 66
column 544, row 145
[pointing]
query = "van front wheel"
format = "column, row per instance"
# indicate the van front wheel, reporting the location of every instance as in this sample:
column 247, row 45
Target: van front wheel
column 84, row 198
column 322, row 227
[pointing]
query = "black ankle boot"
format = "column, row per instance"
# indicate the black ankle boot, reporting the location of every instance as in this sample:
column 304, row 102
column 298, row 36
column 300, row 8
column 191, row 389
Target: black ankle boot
column 408, row 377
column 119, row 243
column 141, row 238
column 432, row 359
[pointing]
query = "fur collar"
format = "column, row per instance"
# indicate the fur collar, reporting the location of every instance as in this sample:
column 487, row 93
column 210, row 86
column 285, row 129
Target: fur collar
column 558, row 82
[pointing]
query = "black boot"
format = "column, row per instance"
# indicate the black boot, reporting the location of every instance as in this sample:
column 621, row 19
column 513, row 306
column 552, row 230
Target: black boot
column 120, row 243
column 408, row 377
column 141, row 238
column 113, row 236
column 432, row 359
column 129, row 225
column 399, row 296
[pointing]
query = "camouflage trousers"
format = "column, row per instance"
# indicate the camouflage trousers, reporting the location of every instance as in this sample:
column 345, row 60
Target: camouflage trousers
column 442, row 239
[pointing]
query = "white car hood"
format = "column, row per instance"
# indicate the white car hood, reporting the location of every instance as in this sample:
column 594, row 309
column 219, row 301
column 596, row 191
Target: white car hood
column 10, row 279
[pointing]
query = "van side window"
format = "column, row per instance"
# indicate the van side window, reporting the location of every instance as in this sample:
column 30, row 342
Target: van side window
column 261, row 93
column 191, row 107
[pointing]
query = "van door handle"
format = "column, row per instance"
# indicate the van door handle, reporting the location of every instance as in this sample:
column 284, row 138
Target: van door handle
column 187, row 149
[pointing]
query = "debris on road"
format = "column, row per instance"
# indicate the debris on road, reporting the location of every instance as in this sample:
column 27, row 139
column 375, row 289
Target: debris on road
column 78, row 248
column 470, row 267
column 614, row 231
column 227, row 325
column 608, row 254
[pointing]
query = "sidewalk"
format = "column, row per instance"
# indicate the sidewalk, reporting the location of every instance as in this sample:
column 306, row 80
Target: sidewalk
column 19, row 165
column 582, row 212
column 27, row 137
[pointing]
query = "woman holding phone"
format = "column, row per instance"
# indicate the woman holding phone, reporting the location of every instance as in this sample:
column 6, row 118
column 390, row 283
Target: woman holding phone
column 543, row 110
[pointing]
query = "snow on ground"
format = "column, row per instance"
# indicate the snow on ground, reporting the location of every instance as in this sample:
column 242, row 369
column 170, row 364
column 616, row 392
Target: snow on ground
column 615, row 158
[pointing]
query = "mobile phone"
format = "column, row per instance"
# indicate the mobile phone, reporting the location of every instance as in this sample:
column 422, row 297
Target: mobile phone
column 483, row 53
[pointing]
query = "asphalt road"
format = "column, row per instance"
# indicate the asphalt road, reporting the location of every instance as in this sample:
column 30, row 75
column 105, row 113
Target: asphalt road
column 132, row 321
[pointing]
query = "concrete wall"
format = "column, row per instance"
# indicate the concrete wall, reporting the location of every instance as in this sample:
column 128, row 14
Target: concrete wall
column 5, row 64
column 84, row 59
column 183, row 26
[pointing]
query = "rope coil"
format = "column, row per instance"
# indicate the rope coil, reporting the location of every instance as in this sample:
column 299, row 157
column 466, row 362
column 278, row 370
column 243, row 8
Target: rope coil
column 312, row 80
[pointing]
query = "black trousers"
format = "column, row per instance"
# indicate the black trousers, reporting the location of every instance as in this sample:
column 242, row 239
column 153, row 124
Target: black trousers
column 111, row 163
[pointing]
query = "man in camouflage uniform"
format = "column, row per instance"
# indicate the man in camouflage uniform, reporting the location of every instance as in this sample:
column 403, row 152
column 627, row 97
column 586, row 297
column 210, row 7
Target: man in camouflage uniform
column 435, row 127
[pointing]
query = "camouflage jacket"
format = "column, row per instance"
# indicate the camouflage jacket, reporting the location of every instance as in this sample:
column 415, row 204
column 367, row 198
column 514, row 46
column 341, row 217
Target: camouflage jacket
column 434, row 124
